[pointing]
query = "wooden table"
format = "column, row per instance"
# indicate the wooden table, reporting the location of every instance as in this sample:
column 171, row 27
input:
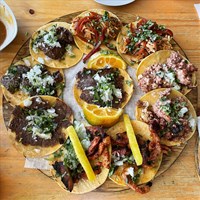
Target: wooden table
column 180, row 181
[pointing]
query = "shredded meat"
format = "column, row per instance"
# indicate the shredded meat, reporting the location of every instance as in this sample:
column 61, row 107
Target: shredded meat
column 175, row 73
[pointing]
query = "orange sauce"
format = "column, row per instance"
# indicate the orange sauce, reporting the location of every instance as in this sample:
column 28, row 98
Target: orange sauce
column 2, row 32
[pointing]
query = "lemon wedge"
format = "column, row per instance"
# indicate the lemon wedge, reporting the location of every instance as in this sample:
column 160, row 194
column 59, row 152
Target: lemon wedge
column 132, row 140
column 80, row 153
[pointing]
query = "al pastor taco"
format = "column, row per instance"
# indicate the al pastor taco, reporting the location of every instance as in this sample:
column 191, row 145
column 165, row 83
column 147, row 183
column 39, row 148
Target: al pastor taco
column 28, row 77
column 68, row 170
column 53, row 45
column 169, row 113
column 95, row 29
column 36, row 125
column 124, row 170
column 102, row 89
column 141, row 38
column 166, row 69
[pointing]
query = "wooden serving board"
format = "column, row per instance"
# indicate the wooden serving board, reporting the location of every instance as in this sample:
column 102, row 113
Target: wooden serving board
column 108, row 186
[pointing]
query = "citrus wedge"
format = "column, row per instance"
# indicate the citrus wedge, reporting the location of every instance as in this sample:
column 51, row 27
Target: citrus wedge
column 110, row 60
column 80, row 153
column 132, row 140
column 96, row 115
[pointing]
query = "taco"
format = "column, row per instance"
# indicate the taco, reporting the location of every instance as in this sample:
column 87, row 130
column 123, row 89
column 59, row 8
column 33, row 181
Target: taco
column 103, row 90
column 169, row 113
column 166, row 69
column 66, row 167
column 124, row 170
column 28, row 77
column 36, row 125
column 141, row 38
column 53, row 45
column 95, row 29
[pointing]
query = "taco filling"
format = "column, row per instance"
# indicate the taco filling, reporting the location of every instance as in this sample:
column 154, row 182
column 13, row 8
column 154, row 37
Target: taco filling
column 168, row 117
column 124, row 165
column 40, row 124
column 32, row 81
column 97, row 29
column 144, row 38
column 54, row 43
column 176, row 73
column 103, row 87
column 95, row 142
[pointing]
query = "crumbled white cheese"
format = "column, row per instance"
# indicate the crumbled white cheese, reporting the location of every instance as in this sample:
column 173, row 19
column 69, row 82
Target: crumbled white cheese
column 119, row 163
column 170, row 76
column 99, row 79
column 38, row 100
column 107, row 95
column 52, row 112
column 80, row 130
column 182, row 111
column 118, row 93
column 27, row 102
column 40, row 60
column 34, row 77
column 86, row 144
column 130, row 171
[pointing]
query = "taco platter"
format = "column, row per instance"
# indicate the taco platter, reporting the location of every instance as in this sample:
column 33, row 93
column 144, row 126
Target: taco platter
column 103, row 88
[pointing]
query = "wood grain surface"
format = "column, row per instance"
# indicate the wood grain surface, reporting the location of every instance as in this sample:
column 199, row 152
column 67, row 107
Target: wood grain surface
column 178, row 182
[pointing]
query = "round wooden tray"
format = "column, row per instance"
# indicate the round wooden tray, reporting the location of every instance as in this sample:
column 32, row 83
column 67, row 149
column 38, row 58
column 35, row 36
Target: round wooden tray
column 108, row 186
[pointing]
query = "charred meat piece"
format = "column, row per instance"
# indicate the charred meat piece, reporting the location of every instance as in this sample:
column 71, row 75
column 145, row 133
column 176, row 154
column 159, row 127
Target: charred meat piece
column 121, row 140
column 94, row 145
column 11, row 81
column 54, row 53
column 65, row 174
column 58, row 77
column 64, row 36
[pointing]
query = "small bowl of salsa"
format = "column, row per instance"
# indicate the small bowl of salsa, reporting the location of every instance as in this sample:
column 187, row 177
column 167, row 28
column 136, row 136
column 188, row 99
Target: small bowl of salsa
column 8, row 25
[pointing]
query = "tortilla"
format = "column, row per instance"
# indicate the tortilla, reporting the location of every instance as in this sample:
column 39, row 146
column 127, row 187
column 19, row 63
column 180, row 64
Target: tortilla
column 36, row 151
column 132, row 59
column 142, row 129
column 152, row 97
column 83, row 185
column 67, row 60
column 160, row 57
column 19, row 96
column 84, row 46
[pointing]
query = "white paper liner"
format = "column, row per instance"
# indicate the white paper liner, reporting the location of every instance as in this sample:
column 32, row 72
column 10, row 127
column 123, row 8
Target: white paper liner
column 37, row 163
column 197, row 6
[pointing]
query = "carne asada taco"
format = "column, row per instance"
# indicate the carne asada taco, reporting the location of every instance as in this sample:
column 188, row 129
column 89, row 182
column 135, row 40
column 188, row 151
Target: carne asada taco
column 102, row 89
column 141, row 38
column 28, row 77
column 169, row 113
column 53, row 45
column 67, row 169
column 124, row 170
column 166, row 69
column 95, row 29
column 36, row 125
